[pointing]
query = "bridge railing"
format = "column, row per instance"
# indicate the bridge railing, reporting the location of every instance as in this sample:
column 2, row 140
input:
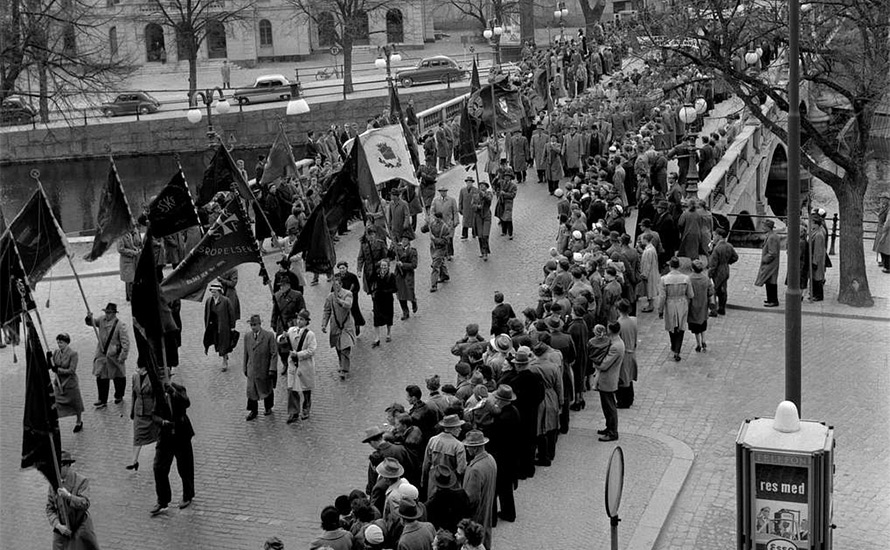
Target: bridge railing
column 727, row 173
column 440, row 113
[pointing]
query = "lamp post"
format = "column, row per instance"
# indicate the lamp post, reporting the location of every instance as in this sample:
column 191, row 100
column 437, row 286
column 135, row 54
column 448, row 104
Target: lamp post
column 207, row 97
column 297, row 105
column 386, row 56
column 792, row 290
column 560, row 14
column 493, row 34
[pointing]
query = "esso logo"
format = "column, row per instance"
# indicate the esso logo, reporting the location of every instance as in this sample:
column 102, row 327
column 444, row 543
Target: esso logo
column 780, row 544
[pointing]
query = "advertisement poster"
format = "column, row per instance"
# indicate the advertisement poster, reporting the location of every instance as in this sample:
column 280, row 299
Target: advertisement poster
column 781, row 498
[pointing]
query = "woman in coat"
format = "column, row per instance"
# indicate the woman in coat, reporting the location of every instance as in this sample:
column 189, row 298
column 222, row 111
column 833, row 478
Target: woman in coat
column 228, row 281
column 142, row 407
column 66, row 388
column 406, row 263
column 219, row 324
column 128, row 248
column 504, row 208
column 770, row 258
column 300, row 367
column 482, row 218
column 337, row 310
column 553, row 164
column 703, row 290
column 549, row 369
column 628, row 375
column 382, row 289
column 649, row 272
column 674, row 293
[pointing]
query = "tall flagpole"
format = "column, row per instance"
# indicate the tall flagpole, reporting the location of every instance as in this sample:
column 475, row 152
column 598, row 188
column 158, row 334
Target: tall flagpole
column 36, row 175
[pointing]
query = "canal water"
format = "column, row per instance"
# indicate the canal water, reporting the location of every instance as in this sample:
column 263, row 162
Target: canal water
column 75, row 186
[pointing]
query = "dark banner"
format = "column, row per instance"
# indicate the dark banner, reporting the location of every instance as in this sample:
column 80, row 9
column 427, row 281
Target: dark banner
column 173, row 209
column 508, row 106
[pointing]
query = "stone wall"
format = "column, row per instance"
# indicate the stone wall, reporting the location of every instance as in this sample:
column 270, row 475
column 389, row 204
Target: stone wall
column 252, row 129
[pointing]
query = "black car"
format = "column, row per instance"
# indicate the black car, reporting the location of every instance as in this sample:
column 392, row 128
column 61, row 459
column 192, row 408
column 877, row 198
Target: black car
column 439, row 68
column 130, row 103
column 15, row 110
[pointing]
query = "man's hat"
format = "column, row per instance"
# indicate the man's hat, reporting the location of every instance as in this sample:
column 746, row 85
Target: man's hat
column 554, row 322
column 372, row 433
column 390, row 468
column 475, row 438
column 504, row 393
column 469, row 178
column 110, row 308
column 445, row 476
column 501, row 343
column 443, row 187
column 409, row 509
column 451, row 421
column 522, row 355
column 304, row 314
column 66, row 458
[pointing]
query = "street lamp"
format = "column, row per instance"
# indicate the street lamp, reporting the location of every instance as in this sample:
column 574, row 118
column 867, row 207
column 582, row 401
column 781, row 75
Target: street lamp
column 493, row 34
column 560, row 14
column 387, row 55
column 297, row 105
column 208, row 97
column 688, row 114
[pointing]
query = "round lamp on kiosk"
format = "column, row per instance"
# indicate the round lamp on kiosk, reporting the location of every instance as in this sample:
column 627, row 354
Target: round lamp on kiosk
column 498, row 30
column 564, row 12
column 194, row 115
column 687, row 114
column 487, row 34
column 222, row 107
column 557, row 13
column 395, row 57
column 701, row 105
column 380, row 63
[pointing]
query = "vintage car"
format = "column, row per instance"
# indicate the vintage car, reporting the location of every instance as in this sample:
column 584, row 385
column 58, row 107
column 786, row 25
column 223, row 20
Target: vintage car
column 130, row 103
column 439, row 68
column 269, row 87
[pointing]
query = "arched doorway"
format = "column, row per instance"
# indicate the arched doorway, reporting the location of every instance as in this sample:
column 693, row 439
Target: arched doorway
column 395, row 30
column 154, row 42
column 327, row 30
column 216, row 40
column 360, row 29
column 112, row 42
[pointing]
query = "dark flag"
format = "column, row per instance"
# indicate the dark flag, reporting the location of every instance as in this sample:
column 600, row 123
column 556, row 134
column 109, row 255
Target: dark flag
column 151, row 319
column 467, row 145
column 320, row 255
column 227, row 244
column 40, row 420
column 222, row 175
column 541, row 97
column 114, row 218
column 173, row 209
column 38, row 238
column 395, row 106
column 13, row 286
column 475, row 85
column 341, row 201
column 280, row 162
column 508, row 105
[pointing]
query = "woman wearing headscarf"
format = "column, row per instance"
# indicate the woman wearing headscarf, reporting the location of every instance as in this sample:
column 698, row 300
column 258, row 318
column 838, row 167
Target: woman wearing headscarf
column 66, row 386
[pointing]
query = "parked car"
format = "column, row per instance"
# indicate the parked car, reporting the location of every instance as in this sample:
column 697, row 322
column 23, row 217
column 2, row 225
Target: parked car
column 269, row 87
column 130, row 103
column 431, row 69
column 15, row 110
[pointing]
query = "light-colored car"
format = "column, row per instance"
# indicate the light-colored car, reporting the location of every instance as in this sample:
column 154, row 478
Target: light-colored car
column 269, row 87
column 439, row 68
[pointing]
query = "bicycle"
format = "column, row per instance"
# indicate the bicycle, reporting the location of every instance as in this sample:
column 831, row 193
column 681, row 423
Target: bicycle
column 327, row 72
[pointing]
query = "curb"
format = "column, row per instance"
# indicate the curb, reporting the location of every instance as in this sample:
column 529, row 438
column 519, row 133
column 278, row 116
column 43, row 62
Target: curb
column 662, row 501
column 811, row 313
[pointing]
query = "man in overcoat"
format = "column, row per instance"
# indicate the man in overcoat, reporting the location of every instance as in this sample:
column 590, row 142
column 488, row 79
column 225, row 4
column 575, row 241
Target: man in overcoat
column 770, row 258
column 68, row 510
column 607, row 382
column 465, row 205
column 722, row 256
column 674, row 293
column 398, row 217
column 405, row 264
column 480, row 482
column 440, row 235
column 529, row 390
column 338, row 311
column 260, row 366
column 539, row 140
column 818, row 253
column 506, row 432
column 519, row 155
column 175, row 441
column 109, row 362
column 450, row 213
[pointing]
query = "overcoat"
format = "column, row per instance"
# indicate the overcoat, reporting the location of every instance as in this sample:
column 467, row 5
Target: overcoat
column 337, row 310
column 142, row 406
column 480, row 481
column 609, row 371
column 506, row 195
column 882, row 241
column 505, row 433
column 229, row 280
column 109, row 361
column 448, row 208
column 553, row 162
column 674, row 293
column 692, row 226
column 550, row 373
column 399, row 219
column 539, row 140
column 718, row 263
column 770, row 258
column 628, row 334
column 817, row 252
column 649, row 271
column 519, row 153
column 301, row 361
column 482, row 213
column 494, row 156
column 128, row 248
column 702, row 289
column 77, row 516
column 67, row 391
column 260, row 363
column 219, row 321
column 405, row 272
column 465, row 205
column 573, row 148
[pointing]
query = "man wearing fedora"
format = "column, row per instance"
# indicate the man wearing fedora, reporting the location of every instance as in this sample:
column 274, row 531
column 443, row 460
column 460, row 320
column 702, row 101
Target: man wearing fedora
column 505, row 433
column 416, row 535
column 445, row 449
column 284, row 273
column 68, row 509
column 260, row 366
column 529, row 390
column 450, row 503
column 450, row 214
column 441, row 233
column 608, row 373
column 480, row 482
column 389, row 475
column 398, row 217
column 770, row 258
column 384, row 449
column 109, row 362
column 465, row 201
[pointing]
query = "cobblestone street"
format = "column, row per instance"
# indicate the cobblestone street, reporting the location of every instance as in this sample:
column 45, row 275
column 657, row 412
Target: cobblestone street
column 265, row 478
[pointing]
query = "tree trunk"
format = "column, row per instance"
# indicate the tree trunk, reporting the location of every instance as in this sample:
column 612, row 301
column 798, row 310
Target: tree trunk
column 43, row 80
column 526, row 20
column 593, row 12
column 193, row 72
column 347, row 65
column 853, row 281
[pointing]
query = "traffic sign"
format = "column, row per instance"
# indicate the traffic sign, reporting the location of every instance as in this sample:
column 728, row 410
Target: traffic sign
column 614, row 482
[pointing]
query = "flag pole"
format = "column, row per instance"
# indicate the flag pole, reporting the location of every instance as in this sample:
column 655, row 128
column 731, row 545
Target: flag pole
column 36, row 175
column 290, row 155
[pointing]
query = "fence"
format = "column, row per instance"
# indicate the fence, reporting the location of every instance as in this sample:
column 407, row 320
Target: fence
column 429, row 118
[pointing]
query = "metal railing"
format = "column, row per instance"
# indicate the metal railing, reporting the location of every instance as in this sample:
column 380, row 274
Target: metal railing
column 431, row 117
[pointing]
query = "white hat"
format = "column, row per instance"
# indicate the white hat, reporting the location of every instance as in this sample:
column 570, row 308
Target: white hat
column 576, row 234
column 577, row 257
column 619, row 209
column 374, row 534
column 559, row 192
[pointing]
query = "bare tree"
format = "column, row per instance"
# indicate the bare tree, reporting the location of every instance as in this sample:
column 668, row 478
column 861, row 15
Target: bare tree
column 593, row 12
column 62, row 43
column 192, row 21
column 485, row 10
column 845, row 50
column 349, row 23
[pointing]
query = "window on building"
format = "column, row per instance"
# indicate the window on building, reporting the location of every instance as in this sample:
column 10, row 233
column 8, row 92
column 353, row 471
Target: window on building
column 265, row 33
